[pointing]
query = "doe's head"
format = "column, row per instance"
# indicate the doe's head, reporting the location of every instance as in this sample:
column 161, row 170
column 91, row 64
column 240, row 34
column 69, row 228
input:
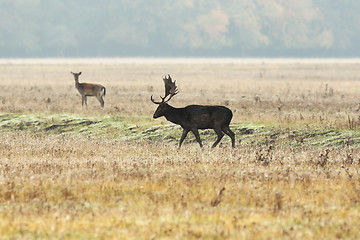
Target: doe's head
column 76, row 75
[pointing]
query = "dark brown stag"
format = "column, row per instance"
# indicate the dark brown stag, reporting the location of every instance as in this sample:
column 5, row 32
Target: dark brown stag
column 194, row 117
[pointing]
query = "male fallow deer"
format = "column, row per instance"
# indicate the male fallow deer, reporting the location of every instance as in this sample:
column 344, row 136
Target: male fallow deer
column 194, row 117
column 89, row 89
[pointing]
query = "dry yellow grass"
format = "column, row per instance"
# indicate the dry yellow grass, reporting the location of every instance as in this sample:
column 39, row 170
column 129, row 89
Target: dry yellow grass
column 64, row 187
column 322, row 92
column 56, row 187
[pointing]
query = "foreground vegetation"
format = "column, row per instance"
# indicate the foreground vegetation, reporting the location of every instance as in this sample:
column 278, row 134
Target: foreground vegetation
column 71, row 187
column 68, row 172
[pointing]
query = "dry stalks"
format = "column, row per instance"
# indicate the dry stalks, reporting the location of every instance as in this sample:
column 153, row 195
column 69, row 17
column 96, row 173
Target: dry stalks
column 127, row 186
column 63, row 187
column 287, row 94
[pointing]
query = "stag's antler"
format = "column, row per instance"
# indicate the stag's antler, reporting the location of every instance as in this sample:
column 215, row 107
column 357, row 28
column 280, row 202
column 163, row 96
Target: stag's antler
column 170, row 89
column 154, row 100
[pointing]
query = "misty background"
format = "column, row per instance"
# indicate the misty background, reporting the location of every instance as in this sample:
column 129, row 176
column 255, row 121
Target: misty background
column 182, row 28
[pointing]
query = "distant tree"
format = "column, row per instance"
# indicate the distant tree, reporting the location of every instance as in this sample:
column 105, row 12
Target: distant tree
column 42, row 28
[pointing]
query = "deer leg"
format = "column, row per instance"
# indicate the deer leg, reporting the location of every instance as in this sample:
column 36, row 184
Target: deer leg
column 230, row 133
column 85, row 98
column 183, row 136
column 82, row 100
column 101, row 100
column 197, row 136
column 220, row 135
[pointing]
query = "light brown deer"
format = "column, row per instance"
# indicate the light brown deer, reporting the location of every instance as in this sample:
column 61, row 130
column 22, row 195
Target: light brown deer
column 89, row 89
column 194, row 117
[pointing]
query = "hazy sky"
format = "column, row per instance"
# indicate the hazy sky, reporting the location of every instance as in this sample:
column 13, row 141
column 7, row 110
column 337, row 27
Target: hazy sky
column 185, row 28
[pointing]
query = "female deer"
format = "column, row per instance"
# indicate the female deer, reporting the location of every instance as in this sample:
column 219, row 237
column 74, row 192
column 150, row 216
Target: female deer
column 89, row 89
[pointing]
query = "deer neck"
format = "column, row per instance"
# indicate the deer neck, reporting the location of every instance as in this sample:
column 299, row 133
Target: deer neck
column 174, row 115
column 77, row 84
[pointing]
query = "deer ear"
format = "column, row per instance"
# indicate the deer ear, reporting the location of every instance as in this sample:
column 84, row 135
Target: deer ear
column 72, row 73
column 79, row 73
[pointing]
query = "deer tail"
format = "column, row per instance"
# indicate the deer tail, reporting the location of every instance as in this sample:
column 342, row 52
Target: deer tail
column 103, row 91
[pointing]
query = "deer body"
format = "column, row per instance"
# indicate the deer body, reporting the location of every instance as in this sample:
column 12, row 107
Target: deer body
column 195, row 117
column 89, row 89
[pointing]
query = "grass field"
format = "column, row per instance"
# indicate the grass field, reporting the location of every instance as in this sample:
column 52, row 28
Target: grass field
column 71, row 172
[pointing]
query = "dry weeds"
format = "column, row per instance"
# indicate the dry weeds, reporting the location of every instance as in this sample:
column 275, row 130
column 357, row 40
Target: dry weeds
column 62, row 187
column 303, row 92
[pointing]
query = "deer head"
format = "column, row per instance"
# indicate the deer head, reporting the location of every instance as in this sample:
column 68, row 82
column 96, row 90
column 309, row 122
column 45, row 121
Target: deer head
column 76, row 76
column 170, row 90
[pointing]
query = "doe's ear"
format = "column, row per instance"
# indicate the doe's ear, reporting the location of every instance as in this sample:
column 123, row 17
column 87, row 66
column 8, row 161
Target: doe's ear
column 79, row 73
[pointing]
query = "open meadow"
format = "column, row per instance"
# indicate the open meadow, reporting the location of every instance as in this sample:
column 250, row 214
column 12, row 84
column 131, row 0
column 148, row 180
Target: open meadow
column 71, row 172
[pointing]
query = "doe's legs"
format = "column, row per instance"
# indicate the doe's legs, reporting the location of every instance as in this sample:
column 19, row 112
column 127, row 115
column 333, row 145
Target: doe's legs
column 101, row 100
column 83, row 100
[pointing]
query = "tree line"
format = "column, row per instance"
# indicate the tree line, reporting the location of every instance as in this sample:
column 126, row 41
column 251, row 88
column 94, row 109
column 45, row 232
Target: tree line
column 211, row 28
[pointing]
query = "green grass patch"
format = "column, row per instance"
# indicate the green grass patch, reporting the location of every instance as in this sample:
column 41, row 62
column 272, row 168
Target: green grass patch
column 144, row 128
